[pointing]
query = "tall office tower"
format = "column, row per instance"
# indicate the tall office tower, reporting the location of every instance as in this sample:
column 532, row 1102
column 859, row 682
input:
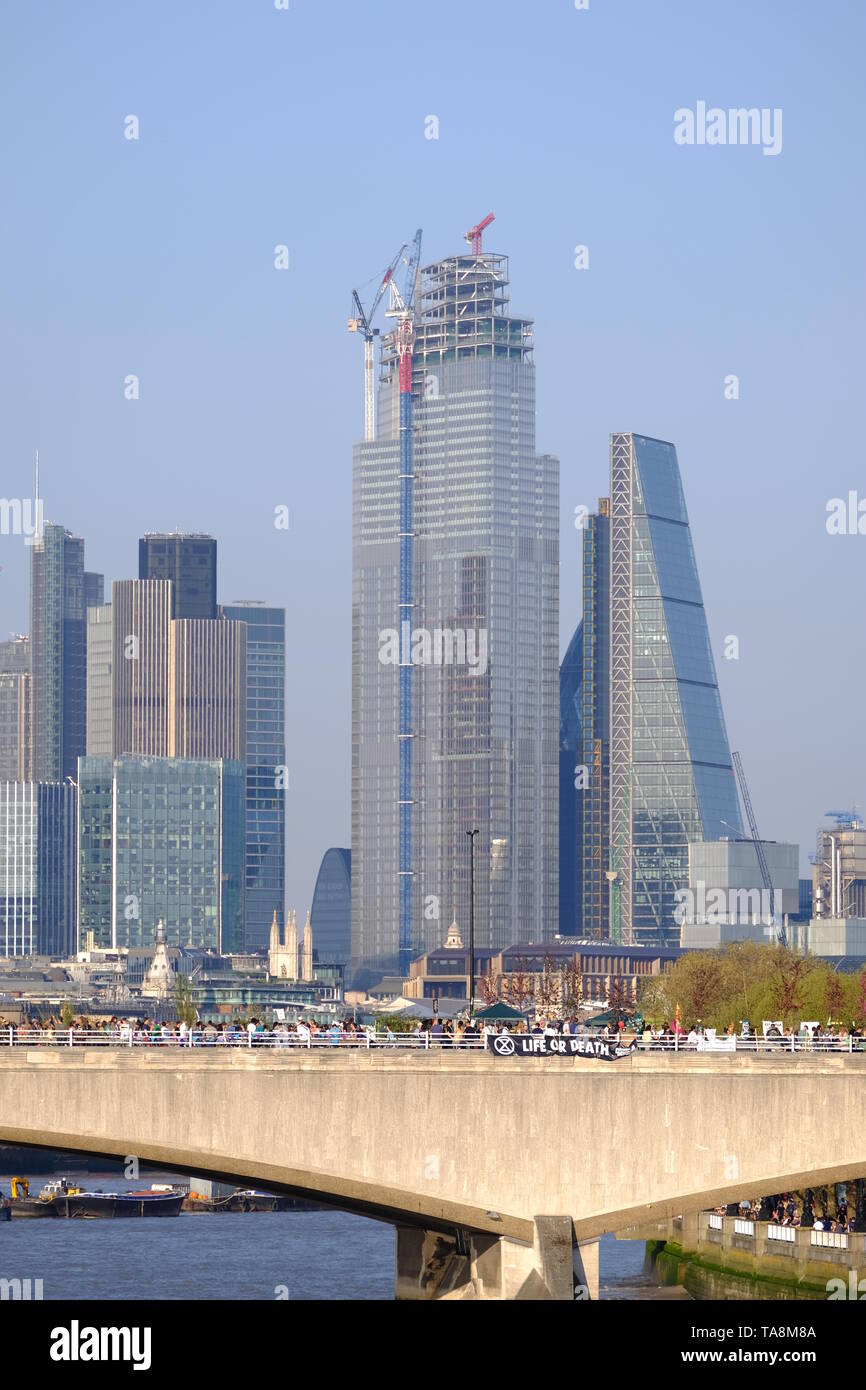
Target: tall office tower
column 162, row 687
column 208, row 689
column 571, row 787
column 59, row 591
column 15, row 747
column 141, row 667
column 38, row 848
column 331, row 912
column 671, row 778
column 584, row 736
column 190, row 562
column 94, row 590
column 99, row 681
column 161, row 838
column 469, row 672
column 265, row 867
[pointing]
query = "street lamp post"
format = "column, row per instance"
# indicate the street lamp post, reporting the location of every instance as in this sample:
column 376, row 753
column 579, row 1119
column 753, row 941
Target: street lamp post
column 471, row 834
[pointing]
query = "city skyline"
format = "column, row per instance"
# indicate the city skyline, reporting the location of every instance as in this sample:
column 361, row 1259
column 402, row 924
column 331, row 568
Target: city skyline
column 213, row 443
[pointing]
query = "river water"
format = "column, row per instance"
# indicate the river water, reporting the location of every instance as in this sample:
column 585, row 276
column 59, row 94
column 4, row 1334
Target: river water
column 260, row 1255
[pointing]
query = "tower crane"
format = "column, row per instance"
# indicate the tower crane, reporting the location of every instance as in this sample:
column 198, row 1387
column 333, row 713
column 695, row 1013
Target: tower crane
column 473, row 236
column 759, row 848
column 402, row 308
column 361, row 321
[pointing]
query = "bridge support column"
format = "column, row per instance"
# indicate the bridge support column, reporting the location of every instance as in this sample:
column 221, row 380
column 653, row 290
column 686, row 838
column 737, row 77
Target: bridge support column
column 465, row 1266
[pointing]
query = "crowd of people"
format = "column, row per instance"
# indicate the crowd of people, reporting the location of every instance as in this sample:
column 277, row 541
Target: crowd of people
column 463, row 1030
column 795, row 1209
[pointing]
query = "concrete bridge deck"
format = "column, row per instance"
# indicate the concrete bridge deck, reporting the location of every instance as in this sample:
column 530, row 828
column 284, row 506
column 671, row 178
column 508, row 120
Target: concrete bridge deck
column 443, row 1141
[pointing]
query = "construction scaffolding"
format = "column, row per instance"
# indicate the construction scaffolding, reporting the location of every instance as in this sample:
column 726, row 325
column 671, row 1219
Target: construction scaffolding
column 595, row 722
column 839, row 868
column 462, row 312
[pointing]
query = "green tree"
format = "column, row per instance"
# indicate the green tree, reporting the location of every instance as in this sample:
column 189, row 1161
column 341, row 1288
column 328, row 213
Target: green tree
column 184, row 1007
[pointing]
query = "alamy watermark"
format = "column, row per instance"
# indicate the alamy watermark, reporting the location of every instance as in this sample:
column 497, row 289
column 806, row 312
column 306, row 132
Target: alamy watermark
column 21, row 1290
column 441, row 646
column 718, row 905
column 739, row 125
column 21, row 516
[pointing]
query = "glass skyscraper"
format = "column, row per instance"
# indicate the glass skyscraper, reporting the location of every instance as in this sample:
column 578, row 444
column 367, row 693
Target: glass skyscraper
column 265, row 868
column 483, row 639
column 38, row 846
column 59, row 593
column 161, row 838
column 671, row 777
column 331, row 912
column 15, row 751
column 584, row 739
column 190, row 562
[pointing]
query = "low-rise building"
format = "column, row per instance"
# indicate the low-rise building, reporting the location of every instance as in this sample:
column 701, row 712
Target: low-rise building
column 557, row 974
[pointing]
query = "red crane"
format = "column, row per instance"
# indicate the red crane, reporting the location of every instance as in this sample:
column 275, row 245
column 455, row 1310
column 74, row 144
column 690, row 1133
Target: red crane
column 473, row 236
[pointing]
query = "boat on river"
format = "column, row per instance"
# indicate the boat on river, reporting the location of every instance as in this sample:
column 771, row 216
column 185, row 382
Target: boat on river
column 60, row 1199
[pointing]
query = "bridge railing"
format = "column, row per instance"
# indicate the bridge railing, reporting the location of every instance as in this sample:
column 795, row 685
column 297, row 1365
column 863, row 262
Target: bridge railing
column 130, row 1036
column 240, row 1038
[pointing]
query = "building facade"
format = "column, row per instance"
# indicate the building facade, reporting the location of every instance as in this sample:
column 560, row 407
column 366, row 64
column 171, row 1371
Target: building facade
column 671, row 776
column 59, row 592
column 162, row 687
column 208, row 689
column 141, row 667
column 331, row 912
column 38, row 844
column 839, row 868
column 161, row 838
column 100, row 657
column 472, row 679
column 554, row 977
column 190, row 563
column 584, row 742
column 265, row 866
column 15, row 713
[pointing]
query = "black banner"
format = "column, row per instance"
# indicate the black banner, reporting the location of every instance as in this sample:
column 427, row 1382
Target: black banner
column 537, row 1045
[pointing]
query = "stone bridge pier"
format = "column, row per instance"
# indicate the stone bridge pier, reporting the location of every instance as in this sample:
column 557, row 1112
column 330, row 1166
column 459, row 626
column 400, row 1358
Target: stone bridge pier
column 469, row 1265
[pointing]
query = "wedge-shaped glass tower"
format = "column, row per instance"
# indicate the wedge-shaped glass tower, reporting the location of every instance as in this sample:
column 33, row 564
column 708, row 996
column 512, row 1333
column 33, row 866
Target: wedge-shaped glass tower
column 671, row 777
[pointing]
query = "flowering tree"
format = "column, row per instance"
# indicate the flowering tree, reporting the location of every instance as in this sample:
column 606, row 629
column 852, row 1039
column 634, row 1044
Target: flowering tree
column 519, row 984
column 549, row 993
column 487, row 985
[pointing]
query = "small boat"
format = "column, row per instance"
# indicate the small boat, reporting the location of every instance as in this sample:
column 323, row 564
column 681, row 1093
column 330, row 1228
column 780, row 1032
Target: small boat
column 244, row 1200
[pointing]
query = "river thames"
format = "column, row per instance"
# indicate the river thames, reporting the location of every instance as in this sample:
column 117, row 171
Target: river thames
column 266, row 1255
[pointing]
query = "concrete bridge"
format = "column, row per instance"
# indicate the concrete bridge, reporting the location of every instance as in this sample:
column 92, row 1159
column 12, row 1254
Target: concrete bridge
column 498, row 1174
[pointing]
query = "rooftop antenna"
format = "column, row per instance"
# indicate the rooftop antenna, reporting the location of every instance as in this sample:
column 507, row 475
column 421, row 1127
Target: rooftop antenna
column 38, row 530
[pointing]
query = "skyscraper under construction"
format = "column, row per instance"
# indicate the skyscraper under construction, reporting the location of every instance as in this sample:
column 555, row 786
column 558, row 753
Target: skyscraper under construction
column 454, row 629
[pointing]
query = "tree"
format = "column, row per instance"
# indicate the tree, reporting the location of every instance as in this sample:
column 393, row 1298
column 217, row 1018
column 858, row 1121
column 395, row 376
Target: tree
column 549, row 993
column 790, row 976
column 618, row 1001
column 184, row 1007
column 488, row 987
column 519, row 984
column 834, row 996
column 572, row 987
column 67, row 1014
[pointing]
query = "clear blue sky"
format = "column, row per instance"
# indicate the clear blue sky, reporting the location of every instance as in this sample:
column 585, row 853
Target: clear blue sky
column 306, row 128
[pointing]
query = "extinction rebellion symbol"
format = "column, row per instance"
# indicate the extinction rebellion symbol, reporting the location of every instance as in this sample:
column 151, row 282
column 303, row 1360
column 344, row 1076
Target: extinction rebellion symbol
column 537, row 1045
